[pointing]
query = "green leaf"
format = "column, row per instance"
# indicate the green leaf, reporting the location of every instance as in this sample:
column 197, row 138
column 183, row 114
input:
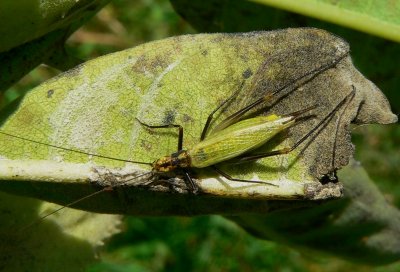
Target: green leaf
column 64, row 242
column 47, row 25
column 21, row 60
column 94, row 107
column 381, row 18
column 39, row 18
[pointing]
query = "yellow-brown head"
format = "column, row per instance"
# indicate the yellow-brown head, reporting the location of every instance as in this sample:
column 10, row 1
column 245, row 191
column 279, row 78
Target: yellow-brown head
column 179, row 159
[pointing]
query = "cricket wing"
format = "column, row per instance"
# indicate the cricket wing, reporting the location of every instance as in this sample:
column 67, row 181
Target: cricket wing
column 237, row 139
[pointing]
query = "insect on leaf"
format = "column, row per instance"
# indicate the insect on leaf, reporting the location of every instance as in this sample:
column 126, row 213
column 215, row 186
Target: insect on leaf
column 94, row 108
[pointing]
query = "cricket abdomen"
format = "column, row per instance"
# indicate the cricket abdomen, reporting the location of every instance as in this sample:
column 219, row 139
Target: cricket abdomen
column 237, row 139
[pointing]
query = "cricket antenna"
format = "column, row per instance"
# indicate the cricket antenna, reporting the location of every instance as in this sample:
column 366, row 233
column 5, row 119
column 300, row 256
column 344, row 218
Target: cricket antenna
column 40, row 218
column 299, row 114
column 327, row 117
column 108, row 188
column 72, row 150
column 339, row 121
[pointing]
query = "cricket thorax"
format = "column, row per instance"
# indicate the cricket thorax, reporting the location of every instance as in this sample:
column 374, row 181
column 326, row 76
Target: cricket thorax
column 179, row 159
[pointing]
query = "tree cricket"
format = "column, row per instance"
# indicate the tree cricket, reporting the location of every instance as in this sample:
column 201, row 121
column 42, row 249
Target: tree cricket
column 230, row 140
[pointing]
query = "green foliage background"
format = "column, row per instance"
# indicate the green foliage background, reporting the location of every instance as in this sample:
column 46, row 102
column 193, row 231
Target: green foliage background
column 213, row 243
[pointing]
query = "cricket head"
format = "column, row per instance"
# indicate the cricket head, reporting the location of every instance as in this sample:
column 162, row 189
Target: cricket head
column 179, row 159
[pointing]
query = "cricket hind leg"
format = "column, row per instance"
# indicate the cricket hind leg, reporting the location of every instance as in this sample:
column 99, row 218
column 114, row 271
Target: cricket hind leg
column 270, row 95
column 229, row 177
column 238, row 114
column 211, row 115
column 318, row 128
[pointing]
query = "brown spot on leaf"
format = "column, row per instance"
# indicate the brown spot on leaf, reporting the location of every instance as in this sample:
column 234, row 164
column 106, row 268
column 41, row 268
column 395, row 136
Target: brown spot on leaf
column 169, row 117
column 146, row 145
column 247, row 73
column 50, row 93
column 187, row 118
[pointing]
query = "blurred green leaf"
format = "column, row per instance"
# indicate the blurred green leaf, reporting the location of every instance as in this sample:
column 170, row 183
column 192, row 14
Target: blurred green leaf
column 64, row 242
column 193, row 244
column 363, row 227
column 47, row 25
column 22, row 59
column 25, row 21
column 381, row 18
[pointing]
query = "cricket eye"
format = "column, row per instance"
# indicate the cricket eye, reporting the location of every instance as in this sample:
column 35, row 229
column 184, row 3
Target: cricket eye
column 165, row 161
